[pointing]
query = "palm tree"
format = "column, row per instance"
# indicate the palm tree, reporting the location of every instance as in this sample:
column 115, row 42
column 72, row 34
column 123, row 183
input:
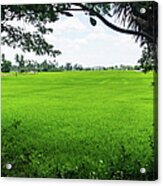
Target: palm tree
column 142, row 17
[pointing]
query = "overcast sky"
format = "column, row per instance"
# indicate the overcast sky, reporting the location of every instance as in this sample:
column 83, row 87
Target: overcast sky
column 84, row 44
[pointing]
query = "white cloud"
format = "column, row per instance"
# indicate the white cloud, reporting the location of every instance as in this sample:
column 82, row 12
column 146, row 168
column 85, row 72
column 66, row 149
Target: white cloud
column 81, row 43
column 70, row 24
column 98, row 32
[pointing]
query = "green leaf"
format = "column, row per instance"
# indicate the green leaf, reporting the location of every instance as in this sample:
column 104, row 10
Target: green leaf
column 93, row 21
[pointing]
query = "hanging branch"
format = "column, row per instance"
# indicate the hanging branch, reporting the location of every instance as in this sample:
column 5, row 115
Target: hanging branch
column 110, row 25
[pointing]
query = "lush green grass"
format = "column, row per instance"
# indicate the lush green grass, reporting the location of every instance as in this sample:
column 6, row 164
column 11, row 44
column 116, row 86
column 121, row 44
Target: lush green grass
column 78, row 125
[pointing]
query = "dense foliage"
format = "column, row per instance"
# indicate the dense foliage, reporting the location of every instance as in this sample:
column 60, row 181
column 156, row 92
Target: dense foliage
column 28, row 41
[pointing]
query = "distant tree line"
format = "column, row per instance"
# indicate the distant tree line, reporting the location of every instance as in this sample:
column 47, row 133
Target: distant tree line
column 23, row 65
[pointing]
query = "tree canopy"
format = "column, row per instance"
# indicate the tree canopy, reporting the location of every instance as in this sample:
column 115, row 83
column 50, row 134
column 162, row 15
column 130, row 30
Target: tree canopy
column 141, row 25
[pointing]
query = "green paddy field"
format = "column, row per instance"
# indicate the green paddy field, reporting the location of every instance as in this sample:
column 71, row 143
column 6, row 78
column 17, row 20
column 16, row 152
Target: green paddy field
column 88, row 124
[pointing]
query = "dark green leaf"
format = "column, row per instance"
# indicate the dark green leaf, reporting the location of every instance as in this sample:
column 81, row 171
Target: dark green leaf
column 93, row 21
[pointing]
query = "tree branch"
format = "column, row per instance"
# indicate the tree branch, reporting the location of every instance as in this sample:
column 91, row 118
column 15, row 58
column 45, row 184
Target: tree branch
column 112, row 26
column 73, row 9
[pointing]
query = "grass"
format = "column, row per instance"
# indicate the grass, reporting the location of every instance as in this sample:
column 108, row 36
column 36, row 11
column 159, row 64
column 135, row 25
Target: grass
column 96, row 125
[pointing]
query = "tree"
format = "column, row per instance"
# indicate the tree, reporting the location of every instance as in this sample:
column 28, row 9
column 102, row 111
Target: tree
column 136, row 67
column 28, row 41
column 6, row 65
column 60, row 68
column 146, row 61
column 21, row 62
column 53, row 65
column 77, row 67
column 3, row 57
column 68, row 66
column 145, row 21
column 142, row 26
column 44, row 66
column 30, row 65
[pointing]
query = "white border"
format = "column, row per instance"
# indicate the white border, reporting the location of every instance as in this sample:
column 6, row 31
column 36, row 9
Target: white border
column 47, row 182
